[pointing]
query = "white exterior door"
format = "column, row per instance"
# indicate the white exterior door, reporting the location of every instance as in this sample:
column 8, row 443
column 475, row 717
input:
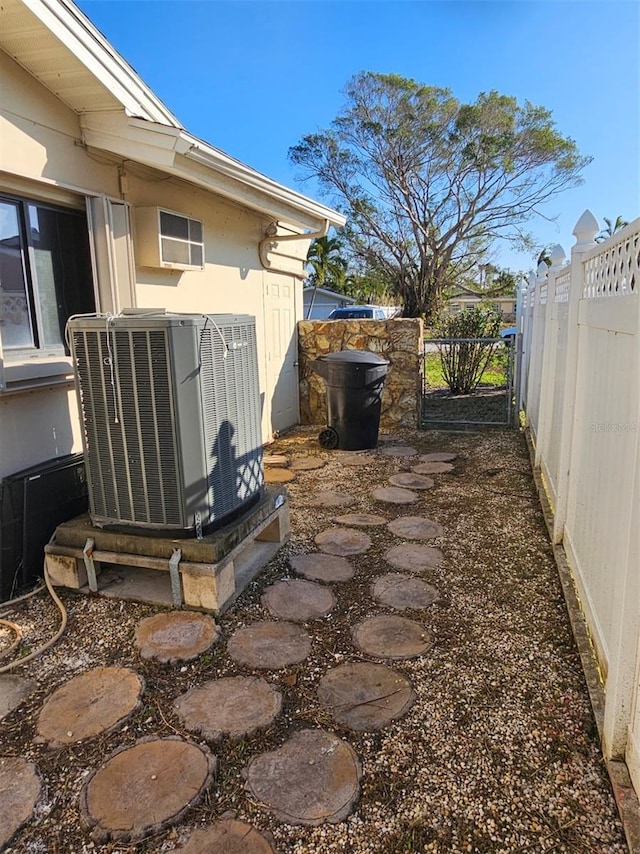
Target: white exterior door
column 282, row 355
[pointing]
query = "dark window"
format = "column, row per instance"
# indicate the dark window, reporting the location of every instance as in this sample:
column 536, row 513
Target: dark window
column 45, row 274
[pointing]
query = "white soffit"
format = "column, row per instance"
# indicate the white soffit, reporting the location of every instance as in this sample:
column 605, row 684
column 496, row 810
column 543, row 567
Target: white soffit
column 62, row 49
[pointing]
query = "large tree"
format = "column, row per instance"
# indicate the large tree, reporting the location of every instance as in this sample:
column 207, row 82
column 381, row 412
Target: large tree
column 428, row 183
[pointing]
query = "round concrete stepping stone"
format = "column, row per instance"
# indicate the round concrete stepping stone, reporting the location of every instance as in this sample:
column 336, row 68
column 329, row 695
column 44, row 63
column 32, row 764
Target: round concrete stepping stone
column 313, row 778
column 343, row 541
column 414, row 556
column 329, row 498
column 398, row 451
column 234, row 706
column 271, row 646
column 390, row 636
column 403, row 591
column 14, row 690
column 278, row 475
column 365, row 520
column 349, row 459
column 20, row 788
column 415, row 528
column 228, row 836
column 298, row 600
column 437, row 457
column 409, row 480
column 432, row 468
column 394, row 495
column 275, row 460
column 142, row 789
column 365, row 696
column 90, row 704
column 307, row 464
column 323, row 567
column 175, row 635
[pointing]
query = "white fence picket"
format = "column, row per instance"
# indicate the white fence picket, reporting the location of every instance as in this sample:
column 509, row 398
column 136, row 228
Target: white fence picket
column 580, row 388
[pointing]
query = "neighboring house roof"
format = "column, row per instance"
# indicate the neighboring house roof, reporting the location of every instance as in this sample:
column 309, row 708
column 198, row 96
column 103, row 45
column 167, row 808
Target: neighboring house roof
column 118, row 112
column 326, row 292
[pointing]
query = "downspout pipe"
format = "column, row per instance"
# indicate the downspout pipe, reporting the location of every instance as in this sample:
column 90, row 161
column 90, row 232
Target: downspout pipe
column 272, row 238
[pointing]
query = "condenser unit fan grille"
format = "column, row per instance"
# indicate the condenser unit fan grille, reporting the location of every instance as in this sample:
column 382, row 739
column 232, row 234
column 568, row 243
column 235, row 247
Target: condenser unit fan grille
column 127, row 409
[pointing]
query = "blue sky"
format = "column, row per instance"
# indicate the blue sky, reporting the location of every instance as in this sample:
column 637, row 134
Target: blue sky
column 252, row 78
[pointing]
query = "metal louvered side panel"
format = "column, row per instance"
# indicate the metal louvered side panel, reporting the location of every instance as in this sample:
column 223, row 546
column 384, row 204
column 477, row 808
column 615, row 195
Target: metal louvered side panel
column 245, row 412
column 219, row 430
column 129, row 425
column 231, row 400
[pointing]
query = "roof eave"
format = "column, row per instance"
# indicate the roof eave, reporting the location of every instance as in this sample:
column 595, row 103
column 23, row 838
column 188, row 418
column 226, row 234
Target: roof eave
column 76, row 32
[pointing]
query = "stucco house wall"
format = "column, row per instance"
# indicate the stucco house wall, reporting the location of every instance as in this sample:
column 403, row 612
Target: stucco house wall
column 52, row 153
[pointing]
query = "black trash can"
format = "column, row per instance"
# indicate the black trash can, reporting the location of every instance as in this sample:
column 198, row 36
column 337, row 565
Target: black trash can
column 354, row 380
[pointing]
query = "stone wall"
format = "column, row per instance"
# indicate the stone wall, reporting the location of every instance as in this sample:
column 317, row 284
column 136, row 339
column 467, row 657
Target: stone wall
column 399, row 341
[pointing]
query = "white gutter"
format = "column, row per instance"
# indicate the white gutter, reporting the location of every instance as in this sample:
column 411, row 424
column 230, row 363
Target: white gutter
column 205, row 154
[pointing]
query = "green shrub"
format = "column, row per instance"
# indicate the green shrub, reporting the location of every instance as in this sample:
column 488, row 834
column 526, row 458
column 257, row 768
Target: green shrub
column 464, row 361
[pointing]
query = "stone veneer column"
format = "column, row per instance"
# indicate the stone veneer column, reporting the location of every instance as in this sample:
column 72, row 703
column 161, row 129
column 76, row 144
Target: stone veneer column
column 399, row 341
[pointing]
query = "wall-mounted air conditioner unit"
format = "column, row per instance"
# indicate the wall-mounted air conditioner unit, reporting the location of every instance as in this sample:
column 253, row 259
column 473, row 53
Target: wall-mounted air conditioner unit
column 168, row 240
column 170, row 406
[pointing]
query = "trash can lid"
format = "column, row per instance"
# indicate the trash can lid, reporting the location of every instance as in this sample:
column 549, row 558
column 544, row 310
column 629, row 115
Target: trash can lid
column 361, row 357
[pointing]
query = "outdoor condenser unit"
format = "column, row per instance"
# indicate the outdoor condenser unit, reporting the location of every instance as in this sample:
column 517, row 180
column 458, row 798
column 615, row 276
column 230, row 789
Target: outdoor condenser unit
column 170, row 406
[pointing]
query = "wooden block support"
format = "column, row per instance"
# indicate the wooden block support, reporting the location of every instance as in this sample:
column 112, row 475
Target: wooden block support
column 205, row 586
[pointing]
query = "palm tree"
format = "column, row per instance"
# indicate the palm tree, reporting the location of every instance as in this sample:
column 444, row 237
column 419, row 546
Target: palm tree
column 328, row 267
column 611, row 228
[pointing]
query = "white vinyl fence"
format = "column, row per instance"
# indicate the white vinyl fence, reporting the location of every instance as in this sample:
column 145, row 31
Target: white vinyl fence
column 580, row 389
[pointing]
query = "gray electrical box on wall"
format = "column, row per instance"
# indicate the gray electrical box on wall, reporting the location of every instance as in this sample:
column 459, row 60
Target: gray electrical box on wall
column 170, row 406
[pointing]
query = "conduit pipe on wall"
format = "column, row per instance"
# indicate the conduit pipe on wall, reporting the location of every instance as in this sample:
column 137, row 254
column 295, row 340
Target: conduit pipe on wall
column 272, row 238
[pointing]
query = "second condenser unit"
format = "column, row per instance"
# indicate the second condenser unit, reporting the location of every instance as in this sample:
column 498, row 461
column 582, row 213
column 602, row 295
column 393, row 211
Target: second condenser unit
column 170, row 407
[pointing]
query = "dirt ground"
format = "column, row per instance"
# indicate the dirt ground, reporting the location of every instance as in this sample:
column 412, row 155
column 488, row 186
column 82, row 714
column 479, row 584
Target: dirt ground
column 499, row 753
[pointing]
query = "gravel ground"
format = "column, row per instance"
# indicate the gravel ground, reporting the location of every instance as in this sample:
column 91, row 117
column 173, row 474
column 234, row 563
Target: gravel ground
column 499, row 753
